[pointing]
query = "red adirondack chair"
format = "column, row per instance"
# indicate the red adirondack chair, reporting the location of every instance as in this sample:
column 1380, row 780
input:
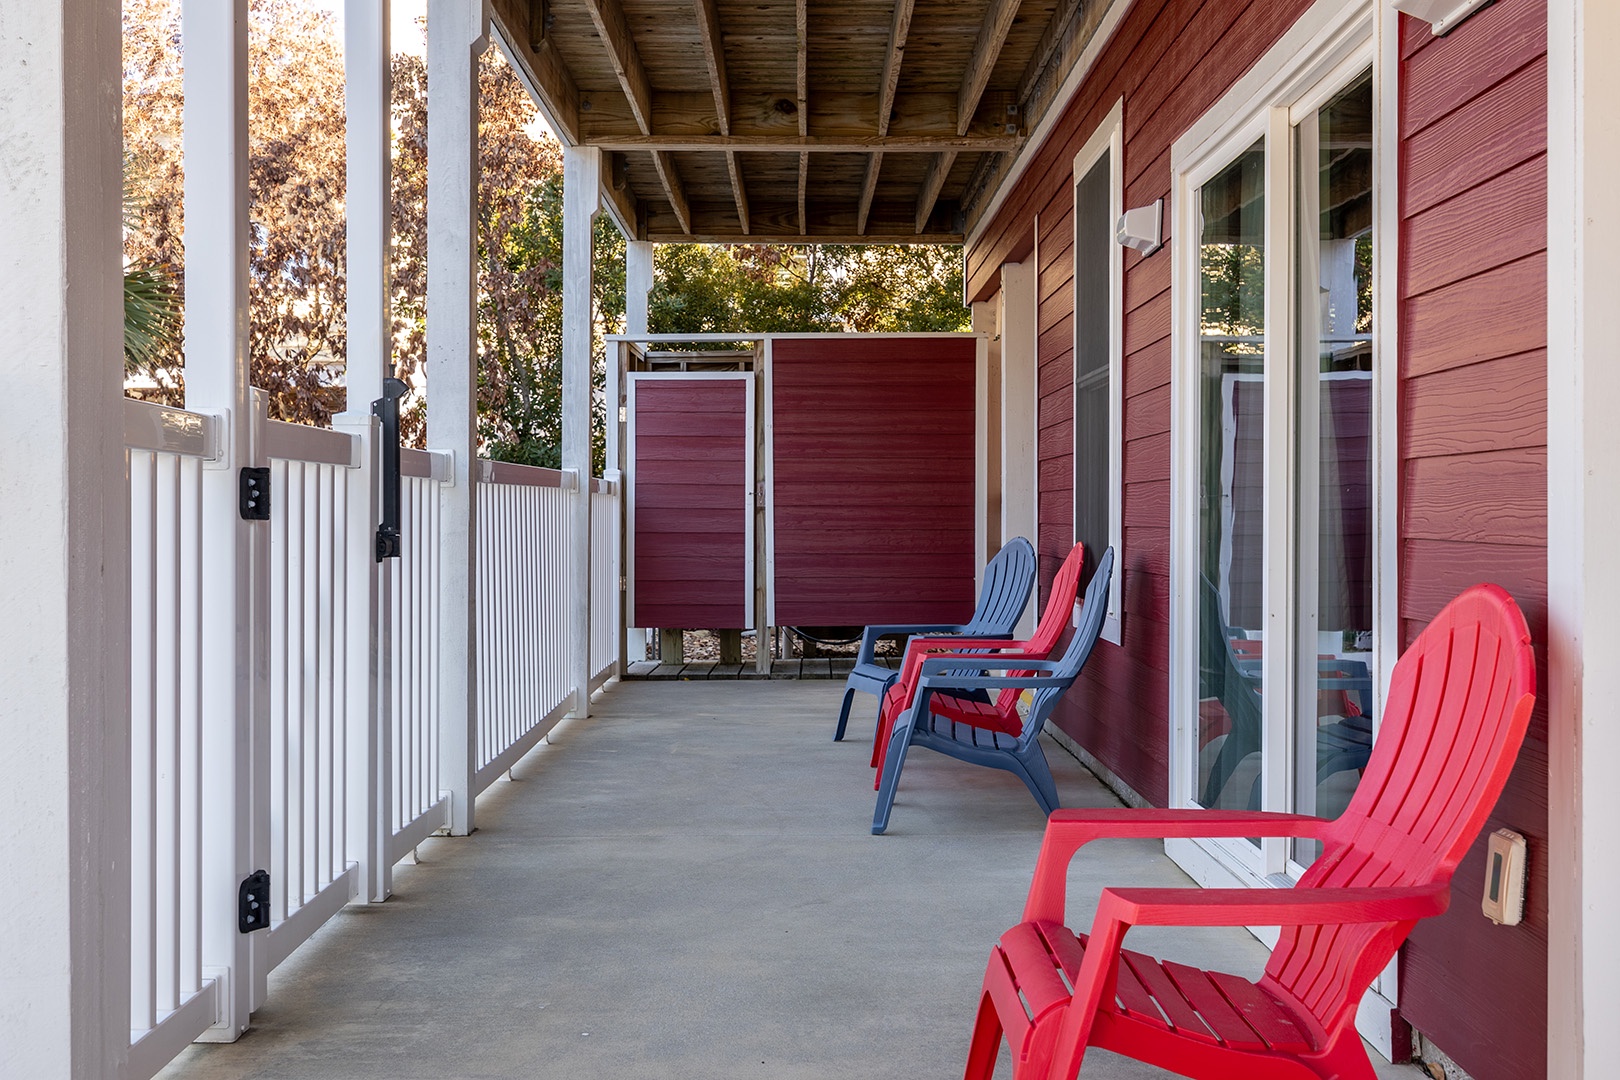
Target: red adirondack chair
column 1459, row 702
column 1002, row 713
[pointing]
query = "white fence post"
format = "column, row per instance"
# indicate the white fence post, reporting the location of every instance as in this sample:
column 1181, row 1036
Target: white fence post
column 457, row 33
column 366, row 64
column 235, row 841
column 64, row 562
column 582, row 199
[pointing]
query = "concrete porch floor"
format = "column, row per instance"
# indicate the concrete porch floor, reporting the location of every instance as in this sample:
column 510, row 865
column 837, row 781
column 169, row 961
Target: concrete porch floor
column 685, row 886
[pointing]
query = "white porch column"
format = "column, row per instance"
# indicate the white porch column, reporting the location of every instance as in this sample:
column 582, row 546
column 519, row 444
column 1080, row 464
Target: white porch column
column 988, row 434
column 64, row 547
column 638, row 283
column 367, row 85
column 456, row 36
column 236, row 841
column 582, row 198
column 1016, row 321
column 1583, row 503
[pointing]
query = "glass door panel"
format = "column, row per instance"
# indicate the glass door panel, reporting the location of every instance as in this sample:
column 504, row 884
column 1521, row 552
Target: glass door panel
column 1232, row 442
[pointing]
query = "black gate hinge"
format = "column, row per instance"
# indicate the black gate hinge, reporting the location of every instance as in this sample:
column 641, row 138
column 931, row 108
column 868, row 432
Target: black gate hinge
column 253, row 903
column 253, row 493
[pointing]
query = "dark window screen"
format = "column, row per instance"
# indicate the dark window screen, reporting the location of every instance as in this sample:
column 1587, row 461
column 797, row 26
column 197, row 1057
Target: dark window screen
column 1094, row 248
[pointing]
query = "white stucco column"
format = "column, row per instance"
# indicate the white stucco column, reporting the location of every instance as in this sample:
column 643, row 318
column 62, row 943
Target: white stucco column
column 64, row 552
column 1016, row 321
column 582, row 198
column 367, row 64
column 234, row 843
column 1583, row 507
column 456, row 35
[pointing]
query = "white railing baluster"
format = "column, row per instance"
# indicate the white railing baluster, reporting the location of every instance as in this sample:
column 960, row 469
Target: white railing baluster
column 143, row 575
column 166, row 646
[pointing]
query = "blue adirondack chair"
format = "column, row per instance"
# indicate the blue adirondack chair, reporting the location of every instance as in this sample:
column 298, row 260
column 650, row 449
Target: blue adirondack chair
column 1008, row 581
column 1019, row 754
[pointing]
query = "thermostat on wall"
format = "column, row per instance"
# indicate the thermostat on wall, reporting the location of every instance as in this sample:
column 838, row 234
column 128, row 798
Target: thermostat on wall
column 1504, row 878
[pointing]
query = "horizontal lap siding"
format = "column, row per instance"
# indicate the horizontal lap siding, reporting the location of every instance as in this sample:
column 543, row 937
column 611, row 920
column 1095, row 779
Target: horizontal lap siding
column 1170, row 60
column 873, row 479
column 691, row 511
column 1473, row 435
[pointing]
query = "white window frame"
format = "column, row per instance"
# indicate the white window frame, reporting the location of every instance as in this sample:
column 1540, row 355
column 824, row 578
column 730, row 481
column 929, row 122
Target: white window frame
column 1320, row 54
column 1109, row 138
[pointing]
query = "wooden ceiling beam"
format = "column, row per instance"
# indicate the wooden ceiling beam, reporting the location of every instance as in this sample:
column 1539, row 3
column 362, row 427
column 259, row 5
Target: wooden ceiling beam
column 621, row 46
column 899, row 30
column 673, row 191
column 1050, row 40
column 622, row 203
column 986, row 51
column 738, row 193
column 829, row 144
column 841, row 112
column 932, row 184
column 801, row 19
column 868, row 190
column 708, row 20
column 521, row 24
column 804, row 187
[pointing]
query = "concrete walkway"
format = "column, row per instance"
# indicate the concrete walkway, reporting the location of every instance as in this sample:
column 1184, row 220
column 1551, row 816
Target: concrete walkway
column 685, row 887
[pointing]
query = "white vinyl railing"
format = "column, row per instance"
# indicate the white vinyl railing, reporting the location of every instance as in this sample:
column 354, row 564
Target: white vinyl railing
column 171, row 1002
column 338, row 746
column 418, row 808
column 522, row 619
column 310, row 868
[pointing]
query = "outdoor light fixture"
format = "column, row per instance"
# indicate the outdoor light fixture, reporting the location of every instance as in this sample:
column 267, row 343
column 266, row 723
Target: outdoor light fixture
column 1141, row 229
column 1441, row 15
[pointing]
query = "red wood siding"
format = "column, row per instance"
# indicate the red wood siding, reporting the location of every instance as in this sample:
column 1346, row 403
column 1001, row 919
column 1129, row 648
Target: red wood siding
column 1473, row 448
column 873, row 479
column 690, row 482
column 1170, row 60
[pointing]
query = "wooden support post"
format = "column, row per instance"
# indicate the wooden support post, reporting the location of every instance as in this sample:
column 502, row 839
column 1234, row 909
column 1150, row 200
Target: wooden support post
column 730, row 646
column 367, row 89
column 671, row 647
column 582, row 199
column 456, row 37
column 64, row 535
column 235, row 710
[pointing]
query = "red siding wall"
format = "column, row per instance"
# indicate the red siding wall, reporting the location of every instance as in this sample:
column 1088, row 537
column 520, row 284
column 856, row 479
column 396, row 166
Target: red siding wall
column 1473, row 438
column 1472, row 405
column 873, row 479
column 690, row 478
column 1170, row 60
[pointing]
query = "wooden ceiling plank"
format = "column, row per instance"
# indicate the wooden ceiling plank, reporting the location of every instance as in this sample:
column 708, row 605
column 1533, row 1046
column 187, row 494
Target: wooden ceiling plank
column 986, row 51
column 624, row 207
column 664, row 162
column 1048, row 45
column 738, row 192
column 868, row 189
column 544, row 73
column 708, row 20
column 932, row 184
column 610, row 22
column 801, row 18
column 830, row 144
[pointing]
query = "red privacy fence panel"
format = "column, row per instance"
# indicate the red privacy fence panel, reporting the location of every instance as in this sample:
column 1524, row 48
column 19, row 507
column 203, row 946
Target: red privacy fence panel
column 872, row 501
column 691, row 508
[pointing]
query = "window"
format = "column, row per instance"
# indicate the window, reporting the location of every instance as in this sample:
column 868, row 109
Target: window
column 1098, row 311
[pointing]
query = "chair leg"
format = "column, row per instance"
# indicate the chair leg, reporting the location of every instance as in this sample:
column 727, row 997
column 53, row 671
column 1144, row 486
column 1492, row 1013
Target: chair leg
column 843, row 714
column 880, row 737
column 889, row 779
column 1036, row 774
column 986, row 1044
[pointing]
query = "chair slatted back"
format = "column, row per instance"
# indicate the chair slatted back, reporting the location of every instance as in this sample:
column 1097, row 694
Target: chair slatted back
column 1092, row 611
column 1054, row 617
column 1009, row 580
column 1459, row 703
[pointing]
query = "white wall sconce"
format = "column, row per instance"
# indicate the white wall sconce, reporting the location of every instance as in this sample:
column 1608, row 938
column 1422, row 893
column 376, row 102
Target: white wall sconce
column 1141, row 229
column 1443, row 16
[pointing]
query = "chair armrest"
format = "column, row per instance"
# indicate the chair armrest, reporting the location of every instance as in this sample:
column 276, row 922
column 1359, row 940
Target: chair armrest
column 869, row 636
column 1067, row 831
column 921, row 647
column 1273, row 907
column 936, row 666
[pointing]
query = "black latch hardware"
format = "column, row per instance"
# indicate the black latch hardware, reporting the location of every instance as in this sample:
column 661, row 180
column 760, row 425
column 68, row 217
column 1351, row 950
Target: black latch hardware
column 386, row 409
column 253, row 902
column 253, row 494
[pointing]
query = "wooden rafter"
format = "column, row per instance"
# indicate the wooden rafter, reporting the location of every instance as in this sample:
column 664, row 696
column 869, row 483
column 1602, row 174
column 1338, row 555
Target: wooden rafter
column 542, row 71
column 801, row 21
column 932, row 184
column 708, row 20
column 899, row 29
column 673, row 191
column 1048, row 45
column 868, row 190
column 986, row 51
column 738, row 192
column 615, row 33
column 804, row 187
